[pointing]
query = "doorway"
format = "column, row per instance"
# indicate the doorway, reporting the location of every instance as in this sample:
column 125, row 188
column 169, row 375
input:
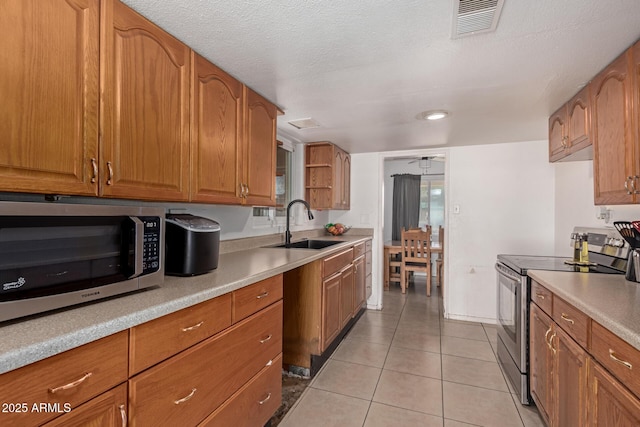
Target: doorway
column 432, row 166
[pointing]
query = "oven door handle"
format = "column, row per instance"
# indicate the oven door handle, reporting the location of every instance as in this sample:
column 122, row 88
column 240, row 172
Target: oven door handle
column 502, row 270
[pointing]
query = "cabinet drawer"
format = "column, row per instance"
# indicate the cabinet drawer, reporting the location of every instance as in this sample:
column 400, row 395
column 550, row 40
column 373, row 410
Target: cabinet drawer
column 108, row 409
column 72, row 377
column 337, row 262
column 620, row 358
column 159, row 339
column 541, row 296
column 191, row 385
column 254, row 404
column 254, row 298
column 572, row 320
column 358, row 250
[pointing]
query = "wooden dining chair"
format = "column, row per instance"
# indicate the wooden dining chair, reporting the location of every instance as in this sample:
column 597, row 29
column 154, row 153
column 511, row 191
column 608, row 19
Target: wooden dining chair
column 440, row 260
column 416, row 256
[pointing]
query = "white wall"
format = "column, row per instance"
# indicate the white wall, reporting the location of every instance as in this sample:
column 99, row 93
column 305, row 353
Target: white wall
column 505, row 196
column 392, row 167
column 575, row 206
column 364, row 212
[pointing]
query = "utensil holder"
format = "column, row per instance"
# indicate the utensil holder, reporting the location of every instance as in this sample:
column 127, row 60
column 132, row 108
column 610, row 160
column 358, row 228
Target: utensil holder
column 633, row 266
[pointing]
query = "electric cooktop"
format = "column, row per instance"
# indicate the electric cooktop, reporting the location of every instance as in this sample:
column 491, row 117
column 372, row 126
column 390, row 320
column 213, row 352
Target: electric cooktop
column 522, row 263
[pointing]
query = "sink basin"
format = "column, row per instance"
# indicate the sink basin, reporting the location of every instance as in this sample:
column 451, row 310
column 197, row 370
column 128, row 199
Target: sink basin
column 310, row 244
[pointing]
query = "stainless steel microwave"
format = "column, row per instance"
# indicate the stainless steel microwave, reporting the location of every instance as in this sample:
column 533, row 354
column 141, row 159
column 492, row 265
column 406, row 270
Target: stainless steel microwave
column 58, row 255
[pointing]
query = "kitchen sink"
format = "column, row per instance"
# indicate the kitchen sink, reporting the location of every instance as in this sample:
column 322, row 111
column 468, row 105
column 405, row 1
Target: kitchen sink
column 309, row 244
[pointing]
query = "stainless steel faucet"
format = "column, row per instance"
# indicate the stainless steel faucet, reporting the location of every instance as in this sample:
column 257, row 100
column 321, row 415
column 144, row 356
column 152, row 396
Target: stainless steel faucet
column 287, row 233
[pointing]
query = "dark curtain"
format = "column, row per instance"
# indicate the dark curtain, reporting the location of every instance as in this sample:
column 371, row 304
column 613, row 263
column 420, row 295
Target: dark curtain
column 406, row 203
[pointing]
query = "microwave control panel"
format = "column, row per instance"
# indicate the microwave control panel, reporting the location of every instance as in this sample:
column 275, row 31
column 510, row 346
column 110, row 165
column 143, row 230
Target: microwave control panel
column 151, row 245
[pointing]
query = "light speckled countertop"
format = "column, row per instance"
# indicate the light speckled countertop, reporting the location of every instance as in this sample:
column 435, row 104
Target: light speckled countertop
column 608, row 299
column 26, row 341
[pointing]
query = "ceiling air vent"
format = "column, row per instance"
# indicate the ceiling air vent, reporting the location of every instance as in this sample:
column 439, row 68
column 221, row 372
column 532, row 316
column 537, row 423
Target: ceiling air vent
column 307, row 123
column 475, row 16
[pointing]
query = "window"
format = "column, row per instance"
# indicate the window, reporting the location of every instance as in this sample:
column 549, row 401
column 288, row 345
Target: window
column 283, row 180
column 284, row 160
column 431, row 203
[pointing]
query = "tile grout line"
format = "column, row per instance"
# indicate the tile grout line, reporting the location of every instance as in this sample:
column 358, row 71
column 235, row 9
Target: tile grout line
column 383, row 363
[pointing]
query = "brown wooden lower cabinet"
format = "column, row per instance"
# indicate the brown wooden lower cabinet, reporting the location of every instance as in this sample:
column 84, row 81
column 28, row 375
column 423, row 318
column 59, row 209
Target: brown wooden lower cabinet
column 254, row 404
column 541, row 361
column 331, row 324
column 568, row 382
column 347, row 292
column 610, row 403
column 107, row 410
column 570, row 401
column 360, row 277
column 558, row 372
column 321, row 299
column 185, row 389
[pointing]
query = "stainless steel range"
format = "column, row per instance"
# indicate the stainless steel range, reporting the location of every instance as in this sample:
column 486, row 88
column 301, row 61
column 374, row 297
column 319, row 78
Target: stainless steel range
column 607, row 253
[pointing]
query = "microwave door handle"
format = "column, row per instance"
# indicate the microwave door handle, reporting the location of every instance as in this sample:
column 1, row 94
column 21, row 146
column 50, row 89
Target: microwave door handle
column 139, row 245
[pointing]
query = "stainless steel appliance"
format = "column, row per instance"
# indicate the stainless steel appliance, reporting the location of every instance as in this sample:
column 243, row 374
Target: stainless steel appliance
column 193, row 245
column 57, row 255
column 607, row 254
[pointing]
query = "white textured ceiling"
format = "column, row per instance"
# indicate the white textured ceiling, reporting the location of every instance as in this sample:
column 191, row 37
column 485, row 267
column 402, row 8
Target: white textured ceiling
column 364, row 68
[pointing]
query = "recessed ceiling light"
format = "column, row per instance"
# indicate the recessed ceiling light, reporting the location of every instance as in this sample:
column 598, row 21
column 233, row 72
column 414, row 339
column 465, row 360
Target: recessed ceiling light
column 307, row 123
column 432, row 115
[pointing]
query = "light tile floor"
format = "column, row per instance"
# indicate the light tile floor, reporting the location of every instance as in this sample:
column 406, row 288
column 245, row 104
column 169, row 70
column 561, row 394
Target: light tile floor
column 407, row 366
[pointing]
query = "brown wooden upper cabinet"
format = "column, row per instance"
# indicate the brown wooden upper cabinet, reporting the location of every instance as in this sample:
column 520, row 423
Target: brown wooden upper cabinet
column 145, row 108
column 216, row 135
column 615, row 131
column 259, row 167
column 570, row 129
column 233, row 140
column 49, row 86
column 327, row 176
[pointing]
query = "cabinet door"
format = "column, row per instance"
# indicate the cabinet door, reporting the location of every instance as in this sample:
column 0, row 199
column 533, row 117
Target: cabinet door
column 216, row 135
column 145, row 123
column 360, row 274
column 346, row 182
column 107, row 410
column 557, row 134
column 579, row 121
column 347, row 288
column 610, row 403
column 614, row 163
column 541, row 361
column 338, row 174
column 260, row 150
column 331, row 324
column 570, row 381
column 49, row 86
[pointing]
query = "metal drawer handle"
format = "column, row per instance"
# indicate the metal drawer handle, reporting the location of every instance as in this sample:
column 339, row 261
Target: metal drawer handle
column 264, row 340
column 262, row 295
column 184, row 399
column 541, row 296
column 123, row 415
column 94, row 167
column 546, row 335
column 567, row 318
column 71, row 384
column 551, row 343
column 262, row 402
column 269, row 363
column 191, row 328
column 110, row 176
column 620, row 361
